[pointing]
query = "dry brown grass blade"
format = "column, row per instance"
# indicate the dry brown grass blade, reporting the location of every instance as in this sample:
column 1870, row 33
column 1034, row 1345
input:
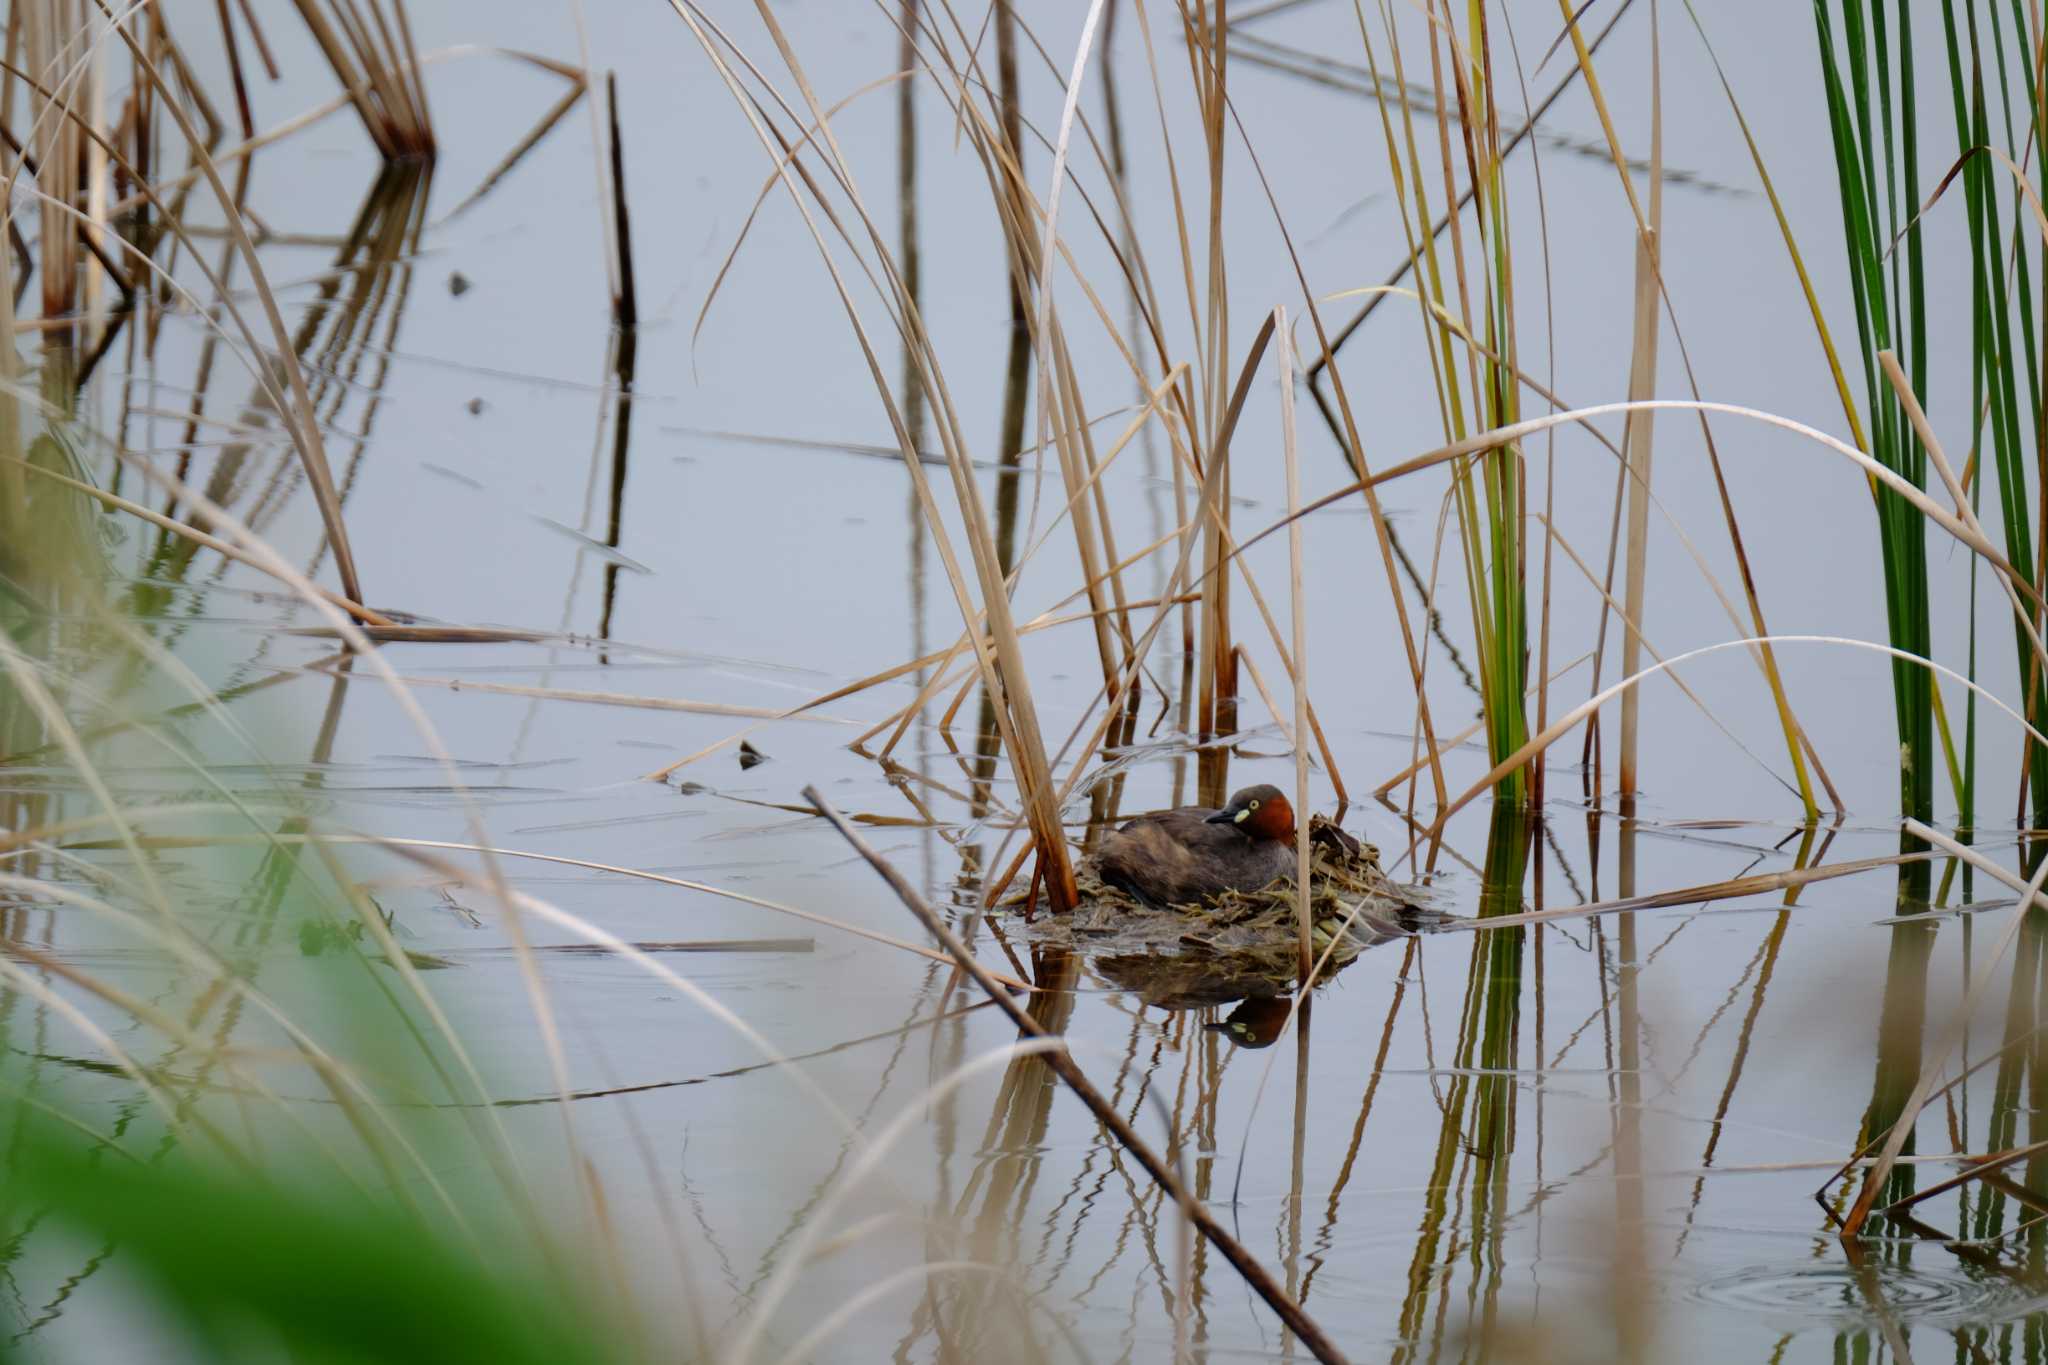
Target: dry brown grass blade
column 1648, row 225
column 1115, row 696
column 1910, row 403
column 804, row 141
column 1003, row 674
column 546, row 124
column 1765, row 664
column 1212, row 481
column 943, row 659
column 1183, row 457
column 1643, row 640
column 1732, row 889
column 1954, row 526
column 1562, row 726
column 1354, row 451
column 1164, row 1175
column 622, row 699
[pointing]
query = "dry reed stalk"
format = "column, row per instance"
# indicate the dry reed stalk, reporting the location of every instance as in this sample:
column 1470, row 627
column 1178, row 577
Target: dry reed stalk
column 1979, row 1167
column 361, row 89
column 1060, row 392
column 1298, row 599
column 256, row 36
column 240, row 83
column 1255, row 1275
column 302, row 421
column 91, row 228
column 1798, row 746
column 1212, row 481
column 380, row 72
column 1062, row 418
column 13, row 49
column 1005, row 177
column 1642, row 384
column 1204, row 37
column 1232, row 554
column 1117, row 696
column 1280, row 718
column 51, row 32
column 1636, row 433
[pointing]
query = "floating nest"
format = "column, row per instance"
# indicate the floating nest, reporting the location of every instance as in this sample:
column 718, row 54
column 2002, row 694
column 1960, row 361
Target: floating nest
column 1240, row 945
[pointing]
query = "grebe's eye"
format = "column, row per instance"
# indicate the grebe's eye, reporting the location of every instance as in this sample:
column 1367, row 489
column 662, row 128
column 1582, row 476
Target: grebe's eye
column 1251, row 805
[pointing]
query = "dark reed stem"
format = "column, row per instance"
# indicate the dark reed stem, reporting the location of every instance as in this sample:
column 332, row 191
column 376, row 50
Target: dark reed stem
column 625, row 305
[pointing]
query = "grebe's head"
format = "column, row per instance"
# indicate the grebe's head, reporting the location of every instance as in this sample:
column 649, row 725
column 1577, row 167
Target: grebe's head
column 1262, row 812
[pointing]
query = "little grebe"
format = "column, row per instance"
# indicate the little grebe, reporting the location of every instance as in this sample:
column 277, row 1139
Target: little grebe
column 1188, row 855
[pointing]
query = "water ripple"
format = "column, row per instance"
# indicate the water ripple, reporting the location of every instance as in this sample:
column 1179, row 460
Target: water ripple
column 1918, row 1296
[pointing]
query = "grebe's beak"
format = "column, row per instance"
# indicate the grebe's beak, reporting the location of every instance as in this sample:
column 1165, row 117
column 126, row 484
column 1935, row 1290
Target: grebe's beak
column 1229, row 815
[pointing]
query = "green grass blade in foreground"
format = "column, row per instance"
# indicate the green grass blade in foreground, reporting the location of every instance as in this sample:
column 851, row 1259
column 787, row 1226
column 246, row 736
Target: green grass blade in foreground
column 311, row 1267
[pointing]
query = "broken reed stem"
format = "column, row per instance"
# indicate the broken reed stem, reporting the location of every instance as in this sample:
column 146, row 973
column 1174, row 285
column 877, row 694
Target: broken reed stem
column 1061, row 1061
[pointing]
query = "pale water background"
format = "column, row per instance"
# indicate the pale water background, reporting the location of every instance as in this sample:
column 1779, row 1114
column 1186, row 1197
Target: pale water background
column 763, row 554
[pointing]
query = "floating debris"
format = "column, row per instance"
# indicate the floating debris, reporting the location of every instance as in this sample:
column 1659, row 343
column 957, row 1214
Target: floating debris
column 750, row 757
column 475, row 406
column 458, row 284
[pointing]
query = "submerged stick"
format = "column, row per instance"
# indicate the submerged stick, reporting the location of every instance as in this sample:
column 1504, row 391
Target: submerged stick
column 1063, row 1065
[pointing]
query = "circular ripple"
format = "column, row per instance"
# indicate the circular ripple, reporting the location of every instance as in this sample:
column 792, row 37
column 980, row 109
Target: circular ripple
column 1835, row 1294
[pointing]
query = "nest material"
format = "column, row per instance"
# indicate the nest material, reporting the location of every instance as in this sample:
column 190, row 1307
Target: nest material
column 1241, row 944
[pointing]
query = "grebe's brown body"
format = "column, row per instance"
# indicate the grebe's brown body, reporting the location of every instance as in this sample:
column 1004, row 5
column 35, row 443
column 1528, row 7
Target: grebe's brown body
column 1192, row 854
